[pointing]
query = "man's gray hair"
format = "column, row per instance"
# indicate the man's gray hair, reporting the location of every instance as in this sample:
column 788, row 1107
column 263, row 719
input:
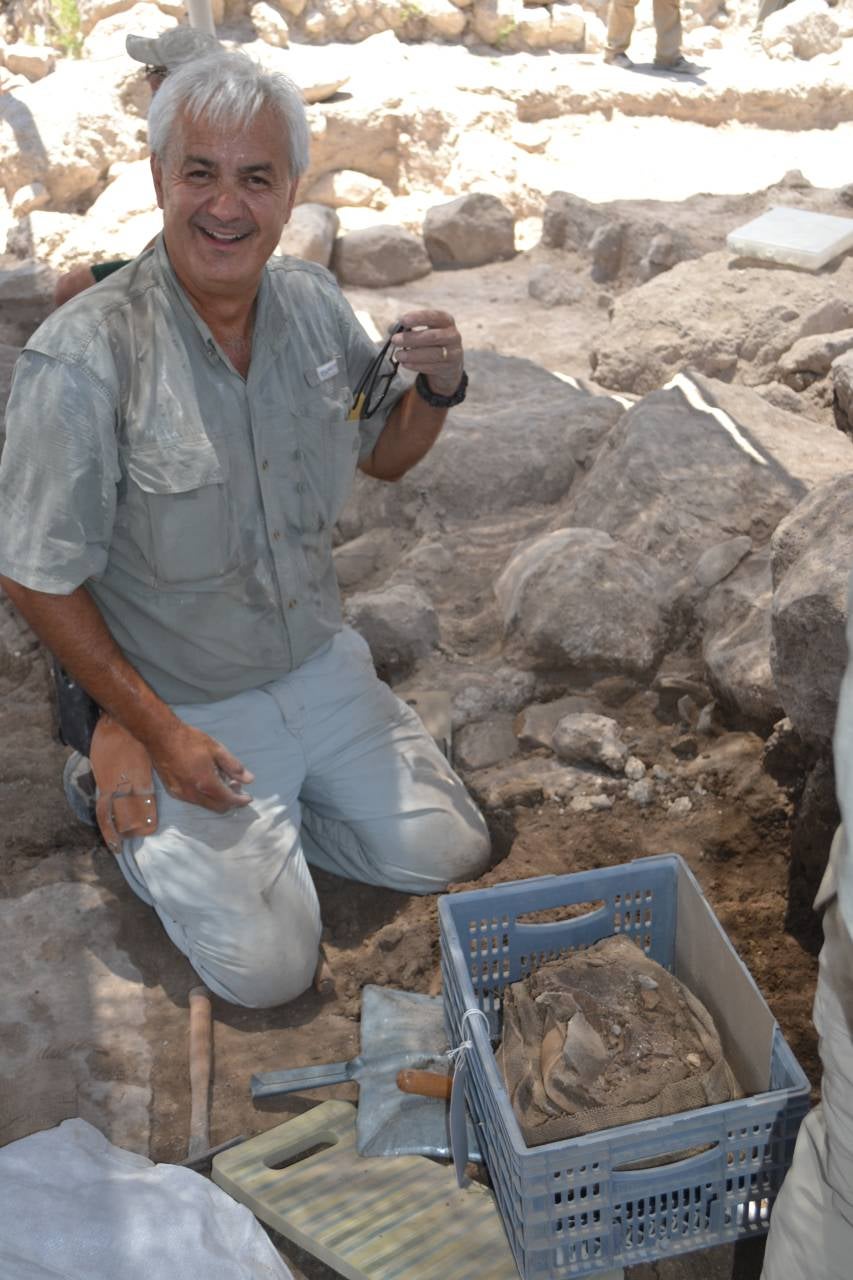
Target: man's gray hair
column 229, row 89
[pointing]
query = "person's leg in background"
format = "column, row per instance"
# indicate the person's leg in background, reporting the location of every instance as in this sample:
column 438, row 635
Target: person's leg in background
column 667, row 14
column 620, row 27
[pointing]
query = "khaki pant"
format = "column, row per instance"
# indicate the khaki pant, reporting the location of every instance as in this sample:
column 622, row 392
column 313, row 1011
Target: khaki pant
column 667, row 15
column 811, row 1231
column 346, row 779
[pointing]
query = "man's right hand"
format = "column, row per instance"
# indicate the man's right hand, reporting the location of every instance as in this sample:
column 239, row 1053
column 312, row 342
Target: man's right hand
column 196, row 768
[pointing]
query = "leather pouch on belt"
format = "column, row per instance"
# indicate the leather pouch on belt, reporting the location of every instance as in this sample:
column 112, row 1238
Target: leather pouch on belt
column 125, row 804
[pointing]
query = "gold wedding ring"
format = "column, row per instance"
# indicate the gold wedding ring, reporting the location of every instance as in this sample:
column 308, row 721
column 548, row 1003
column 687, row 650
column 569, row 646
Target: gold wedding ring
column 444, row 353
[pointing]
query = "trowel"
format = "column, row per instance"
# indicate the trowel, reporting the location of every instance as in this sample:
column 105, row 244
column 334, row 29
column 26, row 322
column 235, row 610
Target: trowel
column 400, row 1031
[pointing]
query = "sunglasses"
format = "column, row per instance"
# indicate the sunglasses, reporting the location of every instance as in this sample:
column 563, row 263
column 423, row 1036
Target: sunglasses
column 373, row 385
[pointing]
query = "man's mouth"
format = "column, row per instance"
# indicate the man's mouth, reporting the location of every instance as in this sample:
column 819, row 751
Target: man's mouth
column 224, row 237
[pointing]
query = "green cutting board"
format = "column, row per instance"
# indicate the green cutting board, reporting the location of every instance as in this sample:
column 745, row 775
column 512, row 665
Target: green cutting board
column 378, row 1218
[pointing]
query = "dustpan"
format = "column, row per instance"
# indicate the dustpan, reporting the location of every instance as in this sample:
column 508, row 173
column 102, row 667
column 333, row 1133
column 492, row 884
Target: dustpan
column 399, row 1029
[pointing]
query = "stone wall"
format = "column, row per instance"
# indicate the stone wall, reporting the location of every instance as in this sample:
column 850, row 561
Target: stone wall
column 504, row 25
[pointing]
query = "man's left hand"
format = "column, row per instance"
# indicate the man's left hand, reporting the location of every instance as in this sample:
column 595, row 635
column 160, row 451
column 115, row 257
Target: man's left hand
column 432, row 345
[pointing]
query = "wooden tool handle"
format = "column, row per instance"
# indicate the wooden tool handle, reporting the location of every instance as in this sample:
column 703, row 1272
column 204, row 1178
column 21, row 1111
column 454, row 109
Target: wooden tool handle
column 200, row 1054
column 429, row 1084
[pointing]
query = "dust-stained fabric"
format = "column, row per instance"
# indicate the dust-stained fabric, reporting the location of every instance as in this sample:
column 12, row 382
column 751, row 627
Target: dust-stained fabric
column 603, row 1037
column 196, row 506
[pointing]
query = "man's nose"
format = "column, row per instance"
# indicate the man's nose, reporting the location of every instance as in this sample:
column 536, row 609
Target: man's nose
column 226, row 201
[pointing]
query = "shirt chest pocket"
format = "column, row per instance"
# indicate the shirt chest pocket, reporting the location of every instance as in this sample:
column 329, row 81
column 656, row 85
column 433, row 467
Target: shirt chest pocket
column 179, row 512
column 330, row 440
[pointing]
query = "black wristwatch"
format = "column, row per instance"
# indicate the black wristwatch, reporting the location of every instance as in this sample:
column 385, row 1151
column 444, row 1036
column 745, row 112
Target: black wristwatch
column 441, row 402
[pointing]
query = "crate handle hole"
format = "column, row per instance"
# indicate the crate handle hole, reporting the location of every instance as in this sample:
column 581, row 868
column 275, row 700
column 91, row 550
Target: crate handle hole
column 556, row 915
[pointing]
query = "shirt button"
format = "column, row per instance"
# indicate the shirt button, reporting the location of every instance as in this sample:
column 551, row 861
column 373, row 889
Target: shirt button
column 300, row 486
column 264, row 465
column 297, row 454
column 276, row 535
column 291, row 604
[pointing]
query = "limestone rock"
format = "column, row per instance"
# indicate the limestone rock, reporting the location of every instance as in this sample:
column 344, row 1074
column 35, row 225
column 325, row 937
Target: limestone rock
column 93, row 11
column 348, row 187
column 494, row 21
column 569, row 25
column 812, row 551
column 718, row 561
column 485, row 743
column 469, row 231
column 26, row 199
column 807, row 27
column 575, row 600
column 552, row 286
column 672, row 479
column 569, row 222
column 64, row 131
column 363, row 556
column 29, row 60
column 480, row 694
column 270, row 24
column 816, row 353
column 606, row 250
column 535, row 725
column 842, row 385
column 399, row 624
column 718, row 321
column 585, row 738
column 443, row 19
column 31, row 282
column 736, row 620
column 533, row 28
column 377, row 257
column 481, row 445
column 523, row 782
column 829, row 316
column 310, row 233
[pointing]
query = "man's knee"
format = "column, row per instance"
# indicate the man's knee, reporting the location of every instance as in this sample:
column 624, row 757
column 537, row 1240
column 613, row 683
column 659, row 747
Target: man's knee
column 443, row 848
column 265, row 973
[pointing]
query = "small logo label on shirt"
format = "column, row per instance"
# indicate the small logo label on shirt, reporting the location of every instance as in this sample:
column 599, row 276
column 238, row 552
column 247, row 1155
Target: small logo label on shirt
column 327, row 370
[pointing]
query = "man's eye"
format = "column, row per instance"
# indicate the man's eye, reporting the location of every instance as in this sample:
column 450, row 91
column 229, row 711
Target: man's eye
column 198, row 174
column 256, row 180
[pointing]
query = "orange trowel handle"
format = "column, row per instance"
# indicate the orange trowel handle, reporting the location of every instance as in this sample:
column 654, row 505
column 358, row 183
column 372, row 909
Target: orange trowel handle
column 430, row 1084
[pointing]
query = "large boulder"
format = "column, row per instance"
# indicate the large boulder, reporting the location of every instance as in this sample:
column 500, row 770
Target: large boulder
column 66, row 130
column 399, row 624
column 812, row 556
column 469, row 232
column 724, row 322
column 699, row 463
column 310, row 233
column 802, row 29
column 576, row 601
column 736, row 643
column 376, row 257
column 485, row 463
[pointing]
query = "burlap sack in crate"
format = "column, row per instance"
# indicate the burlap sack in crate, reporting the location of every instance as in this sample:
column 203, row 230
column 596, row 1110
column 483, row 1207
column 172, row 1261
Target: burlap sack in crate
column 605, row 1037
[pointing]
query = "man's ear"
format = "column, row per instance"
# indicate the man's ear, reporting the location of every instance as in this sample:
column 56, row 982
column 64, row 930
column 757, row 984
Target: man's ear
column 157, row 175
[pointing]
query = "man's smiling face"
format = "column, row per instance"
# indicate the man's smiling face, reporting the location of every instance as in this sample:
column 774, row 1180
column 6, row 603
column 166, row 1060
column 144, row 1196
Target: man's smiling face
column 226, row 194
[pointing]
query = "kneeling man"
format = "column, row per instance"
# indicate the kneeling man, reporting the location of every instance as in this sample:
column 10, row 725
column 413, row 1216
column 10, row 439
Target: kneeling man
column 180, row 443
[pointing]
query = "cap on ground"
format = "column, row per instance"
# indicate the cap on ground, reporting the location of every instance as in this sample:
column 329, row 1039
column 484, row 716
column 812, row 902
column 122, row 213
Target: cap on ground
column 172, row 48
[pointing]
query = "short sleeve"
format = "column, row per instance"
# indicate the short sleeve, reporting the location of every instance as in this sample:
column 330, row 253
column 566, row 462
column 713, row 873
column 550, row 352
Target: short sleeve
column 58, row 476
column 360, row 351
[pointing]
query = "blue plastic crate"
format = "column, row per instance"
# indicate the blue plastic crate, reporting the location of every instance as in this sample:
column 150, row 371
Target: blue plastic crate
column 576, row 1207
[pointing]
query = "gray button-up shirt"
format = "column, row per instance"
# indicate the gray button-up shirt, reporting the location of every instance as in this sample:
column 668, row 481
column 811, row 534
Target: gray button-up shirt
column 196, row 507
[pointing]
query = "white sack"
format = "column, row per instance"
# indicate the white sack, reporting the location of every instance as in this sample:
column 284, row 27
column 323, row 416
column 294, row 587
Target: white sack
column 74, row 1207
